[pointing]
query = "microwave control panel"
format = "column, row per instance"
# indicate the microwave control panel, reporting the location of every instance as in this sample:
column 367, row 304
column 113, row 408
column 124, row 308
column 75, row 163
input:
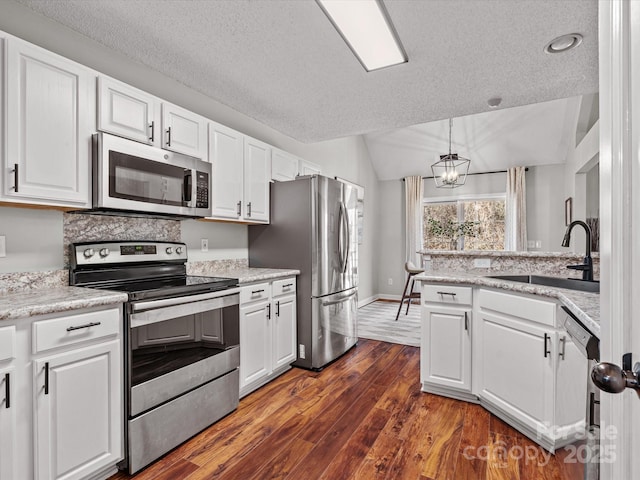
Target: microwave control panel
column 202, row 190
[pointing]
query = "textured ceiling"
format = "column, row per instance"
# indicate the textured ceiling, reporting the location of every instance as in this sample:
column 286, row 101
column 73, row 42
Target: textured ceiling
column 282, row 62
column 530, row 135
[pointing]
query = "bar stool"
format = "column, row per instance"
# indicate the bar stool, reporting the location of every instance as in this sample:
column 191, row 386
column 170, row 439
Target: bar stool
column 412, row 271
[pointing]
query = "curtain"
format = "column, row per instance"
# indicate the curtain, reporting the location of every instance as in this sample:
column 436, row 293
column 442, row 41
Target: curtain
column 413, row 190
column 515, row 222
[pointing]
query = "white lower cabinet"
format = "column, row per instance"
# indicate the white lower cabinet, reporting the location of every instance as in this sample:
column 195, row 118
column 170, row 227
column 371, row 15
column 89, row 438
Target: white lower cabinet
column 61, row 412
column 508, row 352
column 78, row 414
column 267, row 332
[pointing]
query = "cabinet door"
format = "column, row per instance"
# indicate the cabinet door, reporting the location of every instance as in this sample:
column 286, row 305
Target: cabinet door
column 226, row 154
column 284, row 331
column 184, row 131
column 127, row 111
column 307, row 168
column 257, row 171
column 78, row 411
column 516, row 369
column 255, row 342
column 284, row 167
column 50, row 118
column 446, row 347
column 571, row 382
column 7, row 423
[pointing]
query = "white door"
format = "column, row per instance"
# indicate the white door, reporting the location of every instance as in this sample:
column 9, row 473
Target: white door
column 284, row 331
column 257, row 165
column 51, row 111
column 184, row 131
column 619, row 57
column 226, row 154
column 255, row 342
column 517, row 369
column 7, row 423
column 446, row 356
column 128, row 112
column 78, row 412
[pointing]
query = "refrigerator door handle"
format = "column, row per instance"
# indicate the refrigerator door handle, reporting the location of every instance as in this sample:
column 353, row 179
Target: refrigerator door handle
column 347, row 232
column 344, row 228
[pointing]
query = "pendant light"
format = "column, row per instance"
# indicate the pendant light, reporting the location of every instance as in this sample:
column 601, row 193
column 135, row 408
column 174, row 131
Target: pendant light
column 451, row 170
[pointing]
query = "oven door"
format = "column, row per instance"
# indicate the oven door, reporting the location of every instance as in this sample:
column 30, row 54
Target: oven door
column 178, row 344
column 138, row 177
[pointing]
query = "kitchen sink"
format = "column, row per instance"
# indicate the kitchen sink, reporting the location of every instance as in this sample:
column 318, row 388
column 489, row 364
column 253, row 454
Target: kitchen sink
column 570, row 283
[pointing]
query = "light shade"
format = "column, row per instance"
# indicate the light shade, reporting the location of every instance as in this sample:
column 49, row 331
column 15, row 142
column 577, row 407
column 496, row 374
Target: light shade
column 450, row 171
column 365, row 27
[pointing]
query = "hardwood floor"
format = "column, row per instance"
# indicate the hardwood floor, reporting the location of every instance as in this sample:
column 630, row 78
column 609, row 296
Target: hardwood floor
column 363, row 417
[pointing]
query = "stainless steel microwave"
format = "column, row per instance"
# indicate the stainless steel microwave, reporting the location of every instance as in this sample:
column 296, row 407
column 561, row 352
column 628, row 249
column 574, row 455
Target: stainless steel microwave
column 133, row 177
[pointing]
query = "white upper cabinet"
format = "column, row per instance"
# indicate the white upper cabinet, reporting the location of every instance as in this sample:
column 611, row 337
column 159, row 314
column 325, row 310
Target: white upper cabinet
column 284, row 166
column 183, row 131
column 50, row 118
column 131, row 113
column 257, row 172
column 226, row 154
column 127, row 112
column 308, row 168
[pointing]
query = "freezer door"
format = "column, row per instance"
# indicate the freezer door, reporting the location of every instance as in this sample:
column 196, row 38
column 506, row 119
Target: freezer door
column 328, row 237
column 334, row 320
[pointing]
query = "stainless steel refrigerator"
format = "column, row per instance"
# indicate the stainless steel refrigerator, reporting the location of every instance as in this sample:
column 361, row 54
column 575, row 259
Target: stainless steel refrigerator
column 313, row 229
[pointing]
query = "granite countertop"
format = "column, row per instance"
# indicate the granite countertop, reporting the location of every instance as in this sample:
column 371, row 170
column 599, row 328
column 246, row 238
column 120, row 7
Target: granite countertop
column 55, row 300
column 506, row 253
column 585, row 306
column 244, row 274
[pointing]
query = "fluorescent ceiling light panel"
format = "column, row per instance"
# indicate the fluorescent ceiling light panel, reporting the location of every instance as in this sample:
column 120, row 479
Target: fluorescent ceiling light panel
column 367, row 29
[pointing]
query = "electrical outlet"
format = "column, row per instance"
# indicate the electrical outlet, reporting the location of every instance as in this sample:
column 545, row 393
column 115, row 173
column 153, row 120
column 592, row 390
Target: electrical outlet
column 204, row 244
column 302, row 353
column 538, row 243
column 482, row 263
column 531, row 244
column 390, row 281
column 3, row 246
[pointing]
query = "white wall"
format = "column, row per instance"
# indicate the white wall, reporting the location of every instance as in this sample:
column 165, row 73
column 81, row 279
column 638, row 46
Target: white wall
column 545, row 206
column 344, row 157
column 392, row 238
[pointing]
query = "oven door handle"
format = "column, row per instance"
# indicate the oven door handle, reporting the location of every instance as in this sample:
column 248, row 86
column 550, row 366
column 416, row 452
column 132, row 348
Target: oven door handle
column 153, row 311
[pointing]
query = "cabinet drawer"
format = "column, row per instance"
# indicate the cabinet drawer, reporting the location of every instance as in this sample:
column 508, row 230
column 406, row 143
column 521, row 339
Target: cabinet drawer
column 531, row 309
column 447, row 294
column 251, row 293
column 72, row 329
column 281, row 287
column 7, row 343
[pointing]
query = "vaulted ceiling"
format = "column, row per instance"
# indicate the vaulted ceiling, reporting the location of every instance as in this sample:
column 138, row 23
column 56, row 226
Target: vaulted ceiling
column 282, row 63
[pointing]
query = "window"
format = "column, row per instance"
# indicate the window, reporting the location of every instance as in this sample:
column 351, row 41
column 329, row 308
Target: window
column 464, row 224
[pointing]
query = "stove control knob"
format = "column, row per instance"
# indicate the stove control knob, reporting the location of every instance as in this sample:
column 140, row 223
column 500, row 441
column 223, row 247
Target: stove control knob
column 104, row 252
column 179, row 250
column 169, row 250
column 88, row 253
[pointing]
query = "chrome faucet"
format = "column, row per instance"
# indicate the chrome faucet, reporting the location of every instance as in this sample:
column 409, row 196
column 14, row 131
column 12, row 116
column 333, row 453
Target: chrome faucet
column 587, row 262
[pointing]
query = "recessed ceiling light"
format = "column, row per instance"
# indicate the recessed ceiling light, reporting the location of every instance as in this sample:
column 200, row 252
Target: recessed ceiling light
column 563, row 43
column 366, row 28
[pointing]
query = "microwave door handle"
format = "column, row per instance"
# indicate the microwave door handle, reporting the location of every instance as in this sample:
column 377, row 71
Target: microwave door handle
column 187, row 189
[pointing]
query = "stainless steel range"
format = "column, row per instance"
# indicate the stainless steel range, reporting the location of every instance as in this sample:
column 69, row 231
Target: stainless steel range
column 181, row 341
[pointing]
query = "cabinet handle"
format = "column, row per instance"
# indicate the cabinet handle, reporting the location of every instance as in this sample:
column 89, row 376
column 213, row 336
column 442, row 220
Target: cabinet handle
column 239, row 207
column 249, row 209
column 466, row 321
column 7, row 390
column 563, row 340
column 86, row 325
column 287, row 285
column 15, row 177
column 546, row 350
column 278, row 308
column 255, row 292
column 152, row 127
column 46, row 378
column 269, row 311
column 446, row 293
column 169, row 137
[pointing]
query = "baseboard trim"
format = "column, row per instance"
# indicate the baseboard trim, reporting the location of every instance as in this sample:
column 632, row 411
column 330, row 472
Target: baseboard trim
column 367, row 301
